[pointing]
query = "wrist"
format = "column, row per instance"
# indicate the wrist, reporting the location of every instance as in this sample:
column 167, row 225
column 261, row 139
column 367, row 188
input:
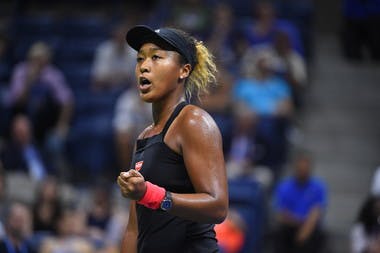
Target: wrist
column 153, row 196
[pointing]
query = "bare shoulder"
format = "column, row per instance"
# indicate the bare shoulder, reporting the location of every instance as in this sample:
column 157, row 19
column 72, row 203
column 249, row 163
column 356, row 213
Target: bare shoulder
column 196, row 120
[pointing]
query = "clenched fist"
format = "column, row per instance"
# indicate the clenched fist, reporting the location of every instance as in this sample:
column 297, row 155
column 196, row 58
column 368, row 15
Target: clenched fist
column 132, row 184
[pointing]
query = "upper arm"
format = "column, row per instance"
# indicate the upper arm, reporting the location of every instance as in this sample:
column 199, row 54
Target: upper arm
column 17, row 82
column 201, row 146
column 61, row 89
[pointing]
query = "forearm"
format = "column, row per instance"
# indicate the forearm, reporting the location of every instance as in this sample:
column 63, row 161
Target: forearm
column 129, row 242
column 199, row 207
column 309, row 226
column 65, row 116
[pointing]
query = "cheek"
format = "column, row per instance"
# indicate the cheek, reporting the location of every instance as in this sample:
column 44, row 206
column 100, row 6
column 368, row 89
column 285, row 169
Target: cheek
column 168, row 73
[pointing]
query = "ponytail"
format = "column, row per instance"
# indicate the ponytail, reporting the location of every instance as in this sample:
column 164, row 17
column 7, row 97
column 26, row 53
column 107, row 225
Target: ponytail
column 203, row 74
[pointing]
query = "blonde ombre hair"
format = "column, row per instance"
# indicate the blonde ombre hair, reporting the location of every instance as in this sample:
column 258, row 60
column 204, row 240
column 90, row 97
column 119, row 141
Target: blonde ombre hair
column 204, row 73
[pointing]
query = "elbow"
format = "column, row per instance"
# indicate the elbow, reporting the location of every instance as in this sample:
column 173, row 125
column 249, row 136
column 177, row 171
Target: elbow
column 220, row 217
column 221, row 213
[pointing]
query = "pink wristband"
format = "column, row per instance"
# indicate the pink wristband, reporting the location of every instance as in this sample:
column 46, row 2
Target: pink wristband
column 153, row 196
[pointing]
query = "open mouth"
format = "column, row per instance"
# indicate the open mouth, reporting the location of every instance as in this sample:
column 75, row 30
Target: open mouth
column 144, row 81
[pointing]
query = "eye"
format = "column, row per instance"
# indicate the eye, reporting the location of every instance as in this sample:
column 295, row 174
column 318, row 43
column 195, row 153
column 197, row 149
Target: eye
column 139, row 59
column 156, row 57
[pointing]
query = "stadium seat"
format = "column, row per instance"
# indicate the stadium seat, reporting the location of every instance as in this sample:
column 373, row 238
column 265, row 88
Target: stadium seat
column 247, row 197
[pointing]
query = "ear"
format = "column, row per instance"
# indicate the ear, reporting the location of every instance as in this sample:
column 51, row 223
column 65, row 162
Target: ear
column 184, row 71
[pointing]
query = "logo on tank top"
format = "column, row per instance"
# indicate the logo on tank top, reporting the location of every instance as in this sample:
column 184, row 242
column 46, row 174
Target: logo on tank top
column 138, row 165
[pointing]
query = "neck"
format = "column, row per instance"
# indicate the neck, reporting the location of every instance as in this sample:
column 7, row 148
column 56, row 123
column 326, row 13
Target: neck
column 162, row 109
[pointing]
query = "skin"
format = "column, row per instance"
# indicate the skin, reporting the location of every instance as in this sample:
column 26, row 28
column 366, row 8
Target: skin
column 202, row 152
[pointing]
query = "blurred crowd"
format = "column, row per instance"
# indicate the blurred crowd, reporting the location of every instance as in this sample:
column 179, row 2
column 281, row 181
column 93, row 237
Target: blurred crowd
column 70, row 113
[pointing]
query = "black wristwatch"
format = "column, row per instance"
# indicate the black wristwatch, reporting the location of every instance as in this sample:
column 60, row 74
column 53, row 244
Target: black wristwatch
column 166, row 203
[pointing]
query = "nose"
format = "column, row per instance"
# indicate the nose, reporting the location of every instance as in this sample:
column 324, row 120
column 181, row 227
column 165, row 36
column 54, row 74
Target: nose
column 144, row 66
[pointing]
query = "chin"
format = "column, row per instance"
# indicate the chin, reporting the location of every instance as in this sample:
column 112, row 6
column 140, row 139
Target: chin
column 146, row 98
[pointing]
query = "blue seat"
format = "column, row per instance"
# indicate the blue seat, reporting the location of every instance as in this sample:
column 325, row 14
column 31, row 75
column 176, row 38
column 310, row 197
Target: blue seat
column 90, row 146
column 90, row 26
column 33, row 25
column 247, row 197
column 90, row 104
column 78, row 76
column 78, row 49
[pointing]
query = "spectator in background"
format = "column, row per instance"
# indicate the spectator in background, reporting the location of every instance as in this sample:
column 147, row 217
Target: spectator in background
column 301, row 13
column 286, row 63
column 39, row 90
column 365, row 234
column 220, row 40
column 131, row 116
column 192, row 16
column 105, row 223
column 289, row 64
column 361, row 29
column 300, row 203
column 71, row 234
column 113, row 63
column 261, row 90
column 100, row 213
column 219, row 104
column 260, row 32
column 269, row 98
column 18, row 229
column 47, row 207
column 247, row 150
column 22, row 153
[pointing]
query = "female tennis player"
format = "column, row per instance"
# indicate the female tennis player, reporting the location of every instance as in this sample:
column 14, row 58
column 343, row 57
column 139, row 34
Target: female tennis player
column 177, row 181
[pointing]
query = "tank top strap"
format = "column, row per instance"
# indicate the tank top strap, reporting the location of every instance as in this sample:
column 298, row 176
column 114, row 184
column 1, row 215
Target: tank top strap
column 172, row 117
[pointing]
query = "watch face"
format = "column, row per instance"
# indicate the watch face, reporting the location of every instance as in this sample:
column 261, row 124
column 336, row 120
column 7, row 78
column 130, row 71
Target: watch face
column 166, row 204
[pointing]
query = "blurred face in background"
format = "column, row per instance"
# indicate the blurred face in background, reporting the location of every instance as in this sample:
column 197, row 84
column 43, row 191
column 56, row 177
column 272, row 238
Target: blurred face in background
column 302, row 169
column 72, row 223
column 265, row 12
column 49, row 190
column 223, row 16
column 18, row 221
column 21, row 130
column 39, row 55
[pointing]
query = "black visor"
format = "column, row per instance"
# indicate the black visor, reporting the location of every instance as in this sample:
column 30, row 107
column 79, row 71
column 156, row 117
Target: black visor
column 166, row 38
